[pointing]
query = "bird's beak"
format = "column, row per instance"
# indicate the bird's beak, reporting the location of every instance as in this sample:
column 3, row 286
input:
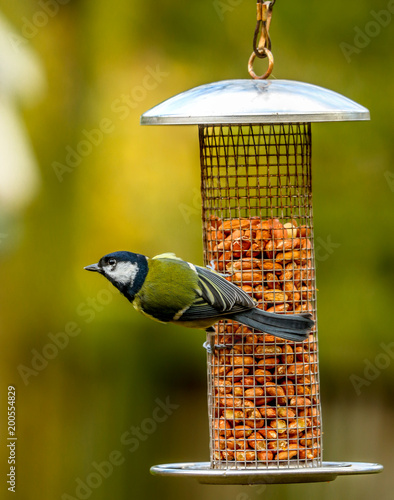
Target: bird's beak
column 93, row 267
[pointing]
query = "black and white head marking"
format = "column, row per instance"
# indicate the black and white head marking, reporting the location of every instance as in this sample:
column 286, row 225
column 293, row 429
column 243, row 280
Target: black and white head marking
column 125, row 270
column 122, row 272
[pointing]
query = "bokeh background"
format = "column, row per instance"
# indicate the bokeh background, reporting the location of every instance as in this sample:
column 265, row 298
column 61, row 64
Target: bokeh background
column 76, row 71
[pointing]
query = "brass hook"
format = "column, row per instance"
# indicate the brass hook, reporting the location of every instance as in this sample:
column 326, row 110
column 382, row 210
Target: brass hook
column 268, row 54
column 263, row 49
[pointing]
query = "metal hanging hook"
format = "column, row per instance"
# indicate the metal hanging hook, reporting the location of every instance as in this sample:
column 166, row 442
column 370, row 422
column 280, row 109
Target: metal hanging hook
column 268, row 54
column 262, row 48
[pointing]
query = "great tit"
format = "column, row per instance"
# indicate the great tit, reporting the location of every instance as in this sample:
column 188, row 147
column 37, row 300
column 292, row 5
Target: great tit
column 170, row 290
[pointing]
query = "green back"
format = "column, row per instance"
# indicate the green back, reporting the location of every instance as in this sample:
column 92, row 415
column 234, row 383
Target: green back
column 170, row 286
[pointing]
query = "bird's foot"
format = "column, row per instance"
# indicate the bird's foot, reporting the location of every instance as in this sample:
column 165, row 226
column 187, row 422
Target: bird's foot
column 211, row 347
column 211, row 265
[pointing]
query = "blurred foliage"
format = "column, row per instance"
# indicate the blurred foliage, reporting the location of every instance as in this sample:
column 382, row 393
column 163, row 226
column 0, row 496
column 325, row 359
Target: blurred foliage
column 132, row 191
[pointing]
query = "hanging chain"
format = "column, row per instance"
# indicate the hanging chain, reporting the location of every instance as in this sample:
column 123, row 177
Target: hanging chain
column 262, row 43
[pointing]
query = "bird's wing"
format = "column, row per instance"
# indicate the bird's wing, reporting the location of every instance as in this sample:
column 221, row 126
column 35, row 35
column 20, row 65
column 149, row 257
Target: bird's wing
column 215, row 297
column 220, row 293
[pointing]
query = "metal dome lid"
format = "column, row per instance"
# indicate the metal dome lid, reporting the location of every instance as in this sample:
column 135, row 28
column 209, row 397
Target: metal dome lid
column 254, row 101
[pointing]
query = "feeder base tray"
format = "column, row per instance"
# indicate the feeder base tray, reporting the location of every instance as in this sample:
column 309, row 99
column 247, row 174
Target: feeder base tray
column 204, row 474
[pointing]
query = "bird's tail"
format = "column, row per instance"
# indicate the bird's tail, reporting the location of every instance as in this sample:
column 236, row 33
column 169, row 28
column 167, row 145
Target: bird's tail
column 295, row 327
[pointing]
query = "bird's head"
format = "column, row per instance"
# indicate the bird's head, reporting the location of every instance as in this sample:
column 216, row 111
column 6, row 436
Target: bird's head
column 125, row 270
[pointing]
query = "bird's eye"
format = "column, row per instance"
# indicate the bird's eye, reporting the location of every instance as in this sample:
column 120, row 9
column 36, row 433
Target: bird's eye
column 112, row 262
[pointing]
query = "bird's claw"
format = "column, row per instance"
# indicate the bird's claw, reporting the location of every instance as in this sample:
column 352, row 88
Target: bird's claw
column 211, row 265
column 211, row 347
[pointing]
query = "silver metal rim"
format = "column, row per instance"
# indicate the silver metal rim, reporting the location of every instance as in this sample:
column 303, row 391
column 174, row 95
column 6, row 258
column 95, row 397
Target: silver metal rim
column 254, row 101
column 336, row 116
column 204, row 474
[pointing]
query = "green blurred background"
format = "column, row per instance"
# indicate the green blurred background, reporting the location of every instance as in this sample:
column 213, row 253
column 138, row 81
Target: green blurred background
column 67, row 68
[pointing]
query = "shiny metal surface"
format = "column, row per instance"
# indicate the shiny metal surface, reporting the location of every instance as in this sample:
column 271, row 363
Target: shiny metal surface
column 204, row 474
column 254, row 101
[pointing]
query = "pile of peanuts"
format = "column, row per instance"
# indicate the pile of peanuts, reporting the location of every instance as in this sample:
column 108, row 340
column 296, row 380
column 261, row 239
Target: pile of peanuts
column 264, row 390
column 269, row 260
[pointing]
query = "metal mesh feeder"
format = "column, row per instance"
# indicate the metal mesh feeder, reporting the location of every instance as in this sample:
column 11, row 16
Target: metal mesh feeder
column 257, row 217
column 265, row 417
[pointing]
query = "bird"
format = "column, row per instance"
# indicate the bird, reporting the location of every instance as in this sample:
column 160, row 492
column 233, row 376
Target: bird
column 170, row 290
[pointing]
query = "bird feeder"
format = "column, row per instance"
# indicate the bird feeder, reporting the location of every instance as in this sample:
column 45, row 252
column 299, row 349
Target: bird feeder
column 265, row 417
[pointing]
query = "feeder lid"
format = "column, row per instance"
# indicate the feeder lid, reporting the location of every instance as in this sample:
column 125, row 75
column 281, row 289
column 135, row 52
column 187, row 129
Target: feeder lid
column 254, row 101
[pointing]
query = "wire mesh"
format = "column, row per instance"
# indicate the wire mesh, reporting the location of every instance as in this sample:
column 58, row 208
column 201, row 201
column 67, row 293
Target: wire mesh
column 263, row 391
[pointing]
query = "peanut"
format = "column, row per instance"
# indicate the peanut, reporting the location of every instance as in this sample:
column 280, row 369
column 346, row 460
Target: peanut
column 269, row 247
column 291, row 229
column 303, row 231
column 287, row 275
column 254, row 392
column 220, row 383
column 237, row 374
column 265, row 456
column 253, row 418
column 235, row 235
column 289, row 357
column 279, row 445
column 238, row 390
column 300, row 401
column 248, row 382
column 303, row 308
column 257, row 441
column 267, row 363
column 269, row 339
column 248, row 276
column 287, row 244
column 291, row 452
column 269, row 265
column 306, row 244
column 299, row 369
column 267, row 350
column 272, row 281
column 284, row 412
column 258, row 292
column 228, row 455
column 242, row 431
column 234, row 415
column 223, row 427
column 214, row 221
column 253, row 251
column 241, row 245
column 279, row 425
column 297, row 426
column 247, row 288
column 245, row 456
column 269, row 433
column 232, row 224
column 279, row 232
column 262, row 234
column 242, row 360
column 223, row 245
column 310, row 454
column 274, row 296
column 279, row 308
column 251, row 339
column 243, row 265
column 231, row 402
column 275, row 391
column 241, row 444
column 217, row 455
column 220, row 444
